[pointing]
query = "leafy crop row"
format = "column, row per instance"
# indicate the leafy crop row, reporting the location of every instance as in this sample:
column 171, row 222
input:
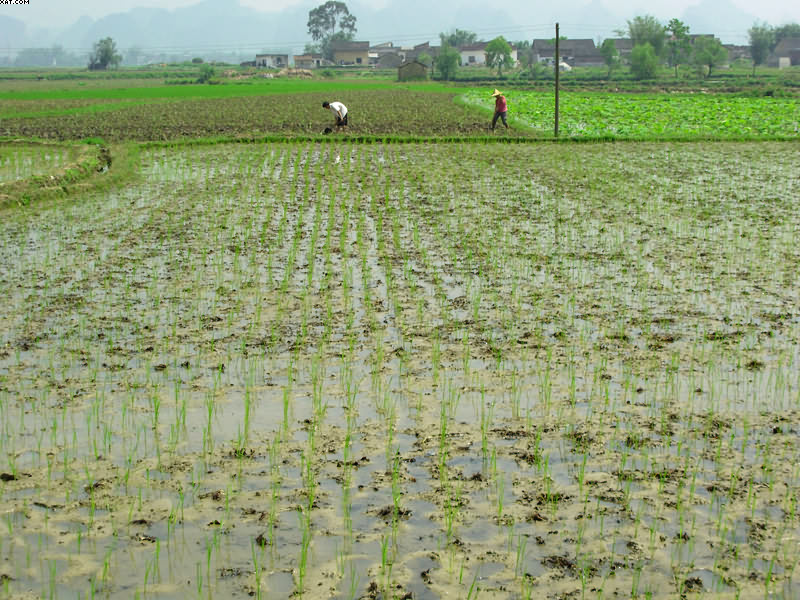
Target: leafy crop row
column 647, row 116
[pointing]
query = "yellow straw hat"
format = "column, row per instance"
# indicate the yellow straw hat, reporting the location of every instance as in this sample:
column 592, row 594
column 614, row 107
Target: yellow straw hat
column 496, row 92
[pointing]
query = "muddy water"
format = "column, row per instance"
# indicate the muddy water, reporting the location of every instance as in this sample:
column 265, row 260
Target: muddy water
column 21, row 160
column 406, row 371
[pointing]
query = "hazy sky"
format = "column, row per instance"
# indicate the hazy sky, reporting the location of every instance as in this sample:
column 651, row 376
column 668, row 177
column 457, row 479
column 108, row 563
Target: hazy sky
column 61, row 13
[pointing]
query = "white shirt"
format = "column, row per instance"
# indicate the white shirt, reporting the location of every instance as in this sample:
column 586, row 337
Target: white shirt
column 338, row 109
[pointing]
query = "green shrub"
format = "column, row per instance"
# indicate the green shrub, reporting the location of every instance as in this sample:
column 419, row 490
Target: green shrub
column 206, row 73
column 644, row 62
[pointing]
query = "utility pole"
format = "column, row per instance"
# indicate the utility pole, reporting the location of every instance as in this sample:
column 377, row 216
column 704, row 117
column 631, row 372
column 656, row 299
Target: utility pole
column 557, row 61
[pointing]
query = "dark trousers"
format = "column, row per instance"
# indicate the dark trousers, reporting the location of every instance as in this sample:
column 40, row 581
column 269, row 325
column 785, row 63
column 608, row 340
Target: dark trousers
column 500, row 115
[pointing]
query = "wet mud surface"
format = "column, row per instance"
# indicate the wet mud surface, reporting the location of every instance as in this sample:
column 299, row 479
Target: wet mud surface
column 22, row 160
column 406, row 371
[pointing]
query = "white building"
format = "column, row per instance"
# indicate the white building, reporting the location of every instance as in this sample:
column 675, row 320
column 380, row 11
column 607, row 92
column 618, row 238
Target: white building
column 475, row 54
column 274, row 61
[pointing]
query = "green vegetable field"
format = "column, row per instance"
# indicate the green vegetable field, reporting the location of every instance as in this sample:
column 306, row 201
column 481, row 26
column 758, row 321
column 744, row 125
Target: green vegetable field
column 647, row 116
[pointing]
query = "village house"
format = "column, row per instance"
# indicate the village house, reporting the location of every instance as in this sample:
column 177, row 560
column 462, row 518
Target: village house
column 387, row 61
column 786, row 53
column 385, row 54
column 350, row 53
column 738, row 52
column 475, row 54
column 624, row 48
column 310, row 61
column 415, row 52
column 273, row 61
column 412, row 70
column 575, row 53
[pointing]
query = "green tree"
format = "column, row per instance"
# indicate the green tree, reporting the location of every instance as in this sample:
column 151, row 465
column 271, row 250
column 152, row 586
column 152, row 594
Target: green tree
column 525, row 55
column 709, row 52
column 206, row 73
column 498, row 55
column 447, row 62
column 323, row 22
column 104, row 55
column 610, row 54
column 678, row 45
column 644, row 62
column 762, row 41
column 647, row 30
column 427, row 60
column 458, row 37
column 521, row 45
column 537, row 70
column 789, row 30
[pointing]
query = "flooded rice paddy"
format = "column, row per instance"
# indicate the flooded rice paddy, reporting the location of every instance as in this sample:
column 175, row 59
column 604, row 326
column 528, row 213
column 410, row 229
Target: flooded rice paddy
column 407, row 371
column 22, row 160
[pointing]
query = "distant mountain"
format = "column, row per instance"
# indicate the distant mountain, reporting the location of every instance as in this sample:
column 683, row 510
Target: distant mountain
column 13, row 34
column 208, row 25
column 204, row 29
column 418, row 21
column 75, row 35
column 213, row 27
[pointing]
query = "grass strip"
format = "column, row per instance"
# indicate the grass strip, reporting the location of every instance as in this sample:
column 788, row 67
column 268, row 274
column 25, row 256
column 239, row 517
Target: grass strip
column 91, row 172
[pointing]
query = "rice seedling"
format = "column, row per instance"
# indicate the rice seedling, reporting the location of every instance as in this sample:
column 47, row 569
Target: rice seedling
column 371, row 335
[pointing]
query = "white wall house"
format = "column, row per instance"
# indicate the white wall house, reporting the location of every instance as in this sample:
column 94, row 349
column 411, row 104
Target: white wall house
column 475, row 54
column 274, row 61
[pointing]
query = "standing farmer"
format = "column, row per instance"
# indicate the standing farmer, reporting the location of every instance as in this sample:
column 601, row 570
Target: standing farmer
column 338, row 109
column 500, row 108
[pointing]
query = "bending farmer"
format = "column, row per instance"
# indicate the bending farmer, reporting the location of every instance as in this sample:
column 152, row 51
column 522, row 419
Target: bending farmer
column 500, row 108
column 338, row 109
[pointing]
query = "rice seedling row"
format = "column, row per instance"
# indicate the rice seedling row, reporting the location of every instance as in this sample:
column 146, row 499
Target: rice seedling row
column 343, row 370
column 21, row 161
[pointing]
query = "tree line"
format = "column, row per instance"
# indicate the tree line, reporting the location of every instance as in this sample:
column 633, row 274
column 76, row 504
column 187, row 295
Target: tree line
column 654, row 44
column 764, row 38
